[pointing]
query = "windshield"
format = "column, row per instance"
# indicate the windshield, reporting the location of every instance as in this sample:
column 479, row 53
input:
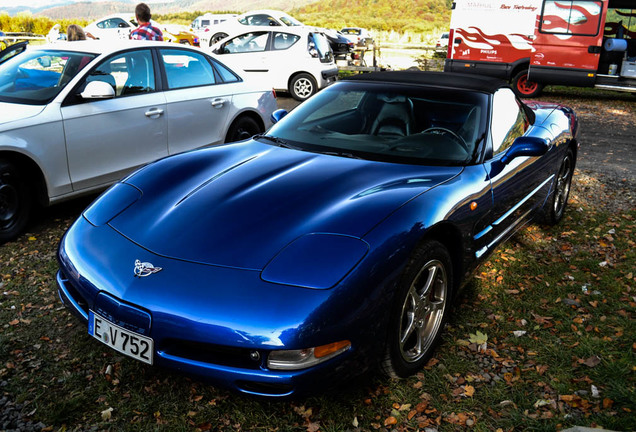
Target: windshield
column 36, row 77
column 290, row 21
column 388, row 122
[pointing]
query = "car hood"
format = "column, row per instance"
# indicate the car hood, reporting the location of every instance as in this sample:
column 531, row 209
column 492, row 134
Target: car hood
column 238, row 205
column 13, row 111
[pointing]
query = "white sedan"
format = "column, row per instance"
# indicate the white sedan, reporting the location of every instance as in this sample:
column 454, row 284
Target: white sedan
column 241, row 23
column 77, row 116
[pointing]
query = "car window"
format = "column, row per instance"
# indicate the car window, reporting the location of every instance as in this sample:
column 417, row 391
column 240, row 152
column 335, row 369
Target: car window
column 508, row 120
column 249, row 42
column 579, row 17
column 318, row 46
column 284, row 40
column 186, row 69
column 129, row 73
column 289, row 21
column 385, row 122
column 37, row 76
column 227, row 76
column 259, row 20
column 343, row 102
column 112, row 23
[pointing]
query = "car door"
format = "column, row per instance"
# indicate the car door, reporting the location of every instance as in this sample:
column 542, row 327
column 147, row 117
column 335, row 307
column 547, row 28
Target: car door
column 106, row 139
column 199, row 102
column 519, row 186
column 12, row 50
column 248, row 52
column 283, row 47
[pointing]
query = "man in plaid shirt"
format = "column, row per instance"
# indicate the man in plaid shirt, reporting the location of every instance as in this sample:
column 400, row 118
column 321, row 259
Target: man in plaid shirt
column 145, row 30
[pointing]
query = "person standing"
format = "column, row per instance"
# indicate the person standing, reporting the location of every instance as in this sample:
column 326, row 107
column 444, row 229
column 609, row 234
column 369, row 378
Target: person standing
column 145, row 30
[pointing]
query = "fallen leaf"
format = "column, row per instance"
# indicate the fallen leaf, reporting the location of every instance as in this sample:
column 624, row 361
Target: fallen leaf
column 107, row 414
column 313, row 427
column 592, row 361
column 478, row 338
column 390, row 421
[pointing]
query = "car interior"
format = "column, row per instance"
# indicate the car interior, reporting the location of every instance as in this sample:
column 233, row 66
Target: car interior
column 400, row 125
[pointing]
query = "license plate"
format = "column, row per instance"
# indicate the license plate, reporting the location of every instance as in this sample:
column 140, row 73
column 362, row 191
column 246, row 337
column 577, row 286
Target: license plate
column 125, row 341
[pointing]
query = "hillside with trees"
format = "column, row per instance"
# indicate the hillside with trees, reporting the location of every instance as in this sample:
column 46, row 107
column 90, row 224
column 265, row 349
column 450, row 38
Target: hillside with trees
column 415, row 16
column 401, row 16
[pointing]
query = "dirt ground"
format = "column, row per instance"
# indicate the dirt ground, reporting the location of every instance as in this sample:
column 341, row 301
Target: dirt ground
column 607, row 131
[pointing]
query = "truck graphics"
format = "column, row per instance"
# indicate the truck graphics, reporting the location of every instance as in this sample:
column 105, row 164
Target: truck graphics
column 538, row 42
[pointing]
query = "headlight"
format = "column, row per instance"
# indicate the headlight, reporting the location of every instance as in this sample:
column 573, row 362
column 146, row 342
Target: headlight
column 317, row 261
column 304, row 358
column 112, row 202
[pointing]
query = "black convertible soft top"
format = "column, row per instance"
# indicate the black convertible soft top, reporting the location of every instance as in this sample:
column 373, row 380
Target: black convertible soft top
column 438, row 79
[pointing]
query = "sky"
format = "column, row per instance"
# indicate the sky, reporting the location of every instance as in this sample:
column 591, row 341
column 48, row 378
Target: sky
column 33, row 4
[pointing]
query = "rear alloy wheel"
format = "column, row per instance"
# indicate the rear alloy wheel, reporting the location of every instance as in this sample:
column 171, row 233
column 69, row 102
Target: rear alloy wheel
column 243, row 128
column 15, row 202
column 525, row 88
column 559, row 201
column 420, row 311
column 302, row 86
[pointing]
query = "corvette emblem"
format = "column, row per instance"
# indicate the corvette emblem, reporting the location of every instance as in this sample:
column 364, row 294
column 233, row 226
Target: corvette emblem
column 143, row 269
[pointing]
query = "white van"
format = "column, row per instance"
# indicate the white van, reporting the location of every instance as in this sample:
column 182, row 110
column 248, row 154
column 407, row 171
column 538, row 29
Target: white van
column 203, row 25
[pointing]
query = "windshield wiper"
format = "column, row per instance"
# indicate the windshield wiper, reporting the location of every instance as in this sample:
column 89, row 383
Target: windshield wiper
column 343, row 154
column 278, row 141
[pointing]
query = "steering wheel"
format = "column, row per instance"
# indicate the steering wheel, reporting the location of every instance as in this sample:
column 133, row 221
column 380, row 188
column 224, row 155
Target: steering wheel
column 445, row 131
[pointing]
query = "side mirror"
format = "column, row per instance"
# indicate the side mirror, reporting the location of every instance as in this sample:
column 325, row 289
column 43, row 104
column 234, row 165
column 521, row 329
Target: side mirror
column 98, row 90
column 525, row 146
column 278, row 115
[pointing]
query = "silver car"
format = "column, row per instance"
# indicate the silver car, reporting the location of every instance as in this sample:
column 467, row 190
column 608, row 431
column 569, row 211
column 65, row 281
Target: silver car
column 77, row 116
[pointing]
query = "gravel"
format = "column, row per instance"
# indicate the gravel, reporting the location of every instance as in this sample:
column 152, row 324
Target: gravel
column 12, row 417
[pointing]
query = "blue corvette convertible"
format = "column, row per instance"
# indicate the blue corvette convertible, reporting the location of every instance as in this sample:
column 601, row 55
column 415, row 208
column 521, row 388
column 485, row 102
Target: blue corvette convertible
column 332, row 244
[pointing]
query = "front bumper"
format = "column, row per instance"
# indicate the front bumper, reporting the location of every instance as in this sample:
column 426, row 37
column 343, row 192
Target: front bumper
column 221, row 335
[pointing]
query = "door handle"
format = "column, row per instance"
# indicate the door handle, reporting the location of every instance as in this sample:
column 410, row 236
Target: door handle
column 154, row 112
column 218, row 102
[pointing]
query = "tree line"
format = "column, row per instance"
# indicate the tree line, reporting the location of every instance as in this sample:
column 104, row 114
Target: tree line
column 415, row 16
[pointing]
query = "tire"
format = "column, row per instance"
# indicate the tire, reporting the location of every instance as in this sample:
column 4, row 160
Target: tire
column 559, row 201
column 217, row 37
column 243, row 128
column 15, row 202
column 420, row 310
column 524, row 88
column 302, row 86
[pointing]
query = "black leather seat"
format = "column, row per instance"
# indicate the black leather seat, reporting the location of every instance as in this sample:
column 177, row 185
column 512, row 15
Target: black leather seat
column 395, row 117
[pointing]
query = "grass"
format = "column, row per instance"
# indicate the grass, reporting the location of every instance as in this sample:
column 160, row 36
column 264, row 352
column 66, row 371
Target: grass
column 574, row 363
column 556, row 304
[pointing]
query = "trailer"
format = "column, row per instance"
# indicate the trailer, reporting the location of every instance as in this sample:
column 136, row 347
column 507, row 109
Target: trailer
column 532, row 43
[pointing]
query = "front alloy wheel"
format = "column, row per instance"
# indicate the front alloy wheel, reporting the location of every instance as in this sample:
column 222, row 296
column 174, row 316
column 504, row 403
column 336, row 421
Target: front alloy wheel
column 423, row 311
column 417, row 323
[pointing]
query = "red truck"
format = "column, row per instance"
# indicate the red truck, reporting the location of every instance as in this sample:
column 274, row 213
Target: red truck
column 531, row 43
